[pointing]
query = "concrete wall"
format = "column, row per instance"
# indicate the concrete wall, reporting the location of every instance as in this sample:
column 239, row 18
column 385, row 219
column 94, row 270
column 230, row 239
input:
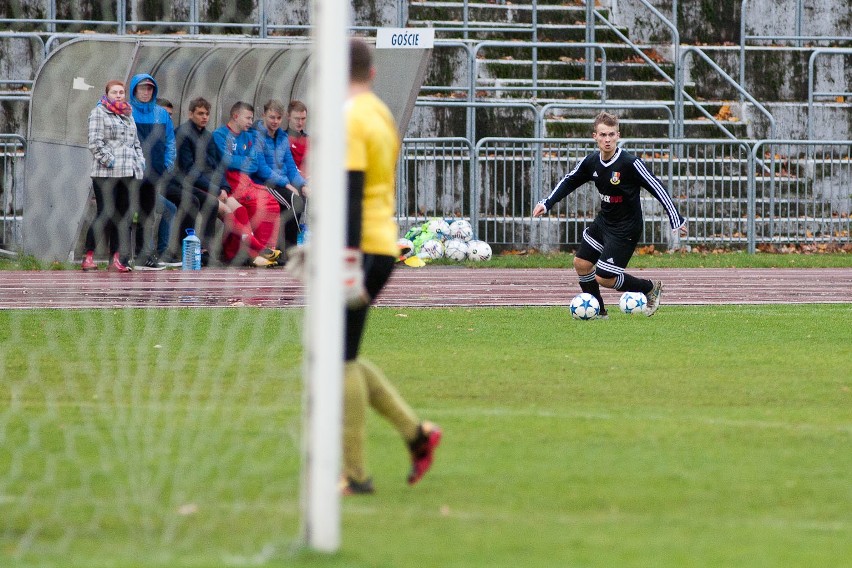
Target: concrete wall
column 717, row 22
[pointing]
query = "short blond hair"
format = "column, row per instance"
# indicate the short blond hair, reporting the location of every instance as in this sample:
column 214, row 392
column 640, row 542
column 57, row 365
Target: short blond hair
column 606, row 119
column 275, row 106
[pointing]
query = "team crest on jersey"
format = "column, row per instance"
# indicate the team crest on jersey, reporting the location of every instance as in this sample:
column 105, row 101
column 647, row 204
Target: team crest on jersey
column 616, row 178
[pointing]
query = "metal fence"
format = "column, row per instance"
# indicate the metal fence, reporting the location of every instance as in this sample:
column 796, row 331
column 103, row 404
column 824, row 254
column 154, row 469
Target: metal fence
column 734, row 194
column 12, row 152
column 804, row 192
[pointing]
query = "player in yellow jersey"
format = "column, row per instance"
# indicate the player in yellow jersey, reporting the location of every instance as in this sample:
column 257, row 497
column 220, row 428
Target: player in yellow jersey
column 372, row 147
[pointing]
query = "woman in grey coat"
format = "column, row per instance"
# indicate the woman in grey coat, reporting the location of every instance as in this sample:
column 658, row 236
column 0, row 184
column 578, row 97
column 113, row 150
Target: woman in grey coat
column 117, row 168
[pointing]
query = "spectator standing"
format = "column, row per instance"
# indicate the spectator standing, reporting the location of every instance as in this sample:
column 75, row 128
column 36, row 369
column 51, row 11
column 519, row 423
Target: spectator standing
column 236, row 141
column 156, row 133
column 277, row 169
column 167, row 209
column 118, row 165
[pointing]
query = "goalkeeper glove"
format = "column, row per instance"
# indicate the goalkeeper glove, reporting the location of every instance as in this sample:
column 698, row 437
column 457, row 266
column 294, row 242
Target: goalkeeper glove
column 353, row 279
column 297, row 265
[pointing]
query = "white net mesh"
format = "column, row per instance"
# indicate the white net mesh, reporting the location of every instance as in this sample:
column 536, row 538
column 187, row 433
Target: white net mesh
column 162, row 437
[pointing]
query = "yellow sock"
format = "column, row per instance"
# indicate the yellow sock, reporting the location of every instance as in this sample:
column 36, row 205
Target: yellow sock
column 354, row 422
column 387, row 401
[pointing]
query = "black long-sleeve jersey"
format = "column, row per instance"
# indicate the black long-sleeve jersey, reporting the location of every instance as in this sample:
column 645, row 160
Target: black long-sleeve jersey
column 618, row 182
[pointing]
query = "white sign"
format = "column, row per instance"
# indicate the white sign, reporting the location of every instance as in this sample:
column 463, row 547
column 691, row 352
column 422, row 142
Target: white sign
column 81, row 85
column 405, row 38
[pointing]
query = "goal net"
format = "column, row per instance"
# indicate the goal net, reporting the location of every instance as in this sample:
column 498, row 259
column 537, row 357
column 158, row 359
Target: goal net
column 153, row 437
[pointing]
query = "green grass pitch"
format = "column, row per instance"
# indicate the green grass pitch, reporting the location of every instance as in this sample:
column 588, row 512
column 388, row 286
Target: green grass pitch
column 705, row 436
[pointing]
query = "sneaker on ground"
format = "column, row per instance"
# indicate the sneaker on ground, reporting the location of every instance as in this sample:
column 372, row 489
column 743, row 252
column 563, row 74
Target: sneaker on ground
column 654, row 298
column 170, row 261
column 269, row 254
column 116, row 265
column 89, row 262
column 351, row 487
column 261, row 262
column 151, row 263
column 602, row 315
column 423, row 451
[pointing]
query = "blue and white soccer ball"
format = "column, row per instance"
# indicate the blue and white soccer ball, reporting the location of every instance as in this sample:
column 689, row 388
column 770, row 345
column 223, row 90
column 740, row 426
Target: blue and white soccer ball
column 584, row 307
column 479, row 251
column 456, row 249
column 633, row 303
column 432, row 249
column 440, row 228
column 462, row 230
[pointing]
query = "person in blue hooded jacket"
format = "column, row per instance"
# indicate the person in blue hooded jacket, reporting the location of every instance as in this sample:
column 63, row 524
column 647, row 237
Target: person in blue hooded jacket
column 157, row 134
column 277, row 169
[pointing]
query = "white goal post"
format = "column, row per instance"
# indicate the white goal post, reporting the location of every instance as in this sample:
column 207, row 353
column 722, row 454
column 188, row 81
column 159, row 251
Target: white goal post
column 323, row 332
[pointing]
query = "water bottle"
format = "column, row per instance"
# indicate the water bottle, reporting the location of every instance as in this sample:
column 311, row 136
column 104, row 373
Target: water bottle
column 302, row 237
column 191, row 251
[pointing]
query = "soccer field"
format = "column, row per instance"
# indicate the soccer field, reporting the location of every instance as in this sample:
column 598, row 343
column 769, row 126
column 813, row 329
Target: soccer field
column 704, row 436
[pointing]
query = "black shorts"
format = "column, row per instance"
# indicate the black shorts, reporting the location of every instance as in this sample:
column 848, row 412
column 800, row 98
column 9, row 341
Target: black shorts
column 608, row 252
column 377, row 271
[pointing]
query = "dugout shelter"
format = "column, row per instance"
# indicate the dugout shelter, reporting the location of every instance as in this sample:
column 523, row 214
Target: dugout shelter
column 57, row 186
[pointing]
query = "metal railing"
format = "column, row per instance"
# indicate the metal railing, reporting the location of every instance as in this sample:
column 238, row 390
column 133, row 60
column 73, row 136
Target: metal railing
column 433, row 178
column 605, row 106
column 472, row 106
column 595, row 86
column 13, row 148
column 806, row 195
column 121, row 24
column 812, row 94
column 796, row 38
column 24, row 90
column 734, row 194
column 742, row 92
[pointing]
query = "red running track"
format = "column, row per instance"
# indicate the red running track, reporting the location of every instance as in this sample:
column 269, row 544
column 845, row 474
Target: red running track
column 411, row 287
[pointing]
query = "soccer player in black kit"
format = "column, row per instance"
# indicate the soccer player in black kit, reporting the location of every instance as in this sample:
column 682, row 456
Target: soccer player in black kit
column 609, row 242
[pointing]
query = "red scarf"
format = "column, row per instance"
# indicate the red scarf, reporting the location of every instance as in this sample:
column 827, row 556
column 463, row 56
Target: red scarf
column 120, row 108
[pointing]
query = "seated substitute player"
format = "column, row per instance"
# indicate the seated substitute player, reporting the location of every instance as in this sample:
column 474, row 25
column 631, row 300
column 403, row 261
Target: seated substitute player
column 277, row 170
column 199, row 173
column 297, row 116
column 372, row 147
column 609, row 242
column 237, row 143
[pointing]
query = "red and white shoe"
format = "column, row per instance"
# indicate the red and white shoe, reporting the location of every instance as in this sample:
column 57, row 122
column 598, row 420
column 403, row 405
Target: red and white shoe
column 423, row 451
column 117, row 266
column 89, row 262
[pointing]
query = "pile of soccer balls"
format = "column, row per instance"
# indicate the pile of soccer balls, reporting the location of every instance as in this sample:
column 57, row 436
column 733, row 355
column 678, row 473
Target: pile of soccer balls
column 586, row 307
column 444, row 238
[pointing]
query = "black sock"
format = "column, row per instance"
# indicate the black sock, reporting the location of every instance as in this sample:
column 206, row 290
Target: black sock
column 627, row 283
column 589, row 285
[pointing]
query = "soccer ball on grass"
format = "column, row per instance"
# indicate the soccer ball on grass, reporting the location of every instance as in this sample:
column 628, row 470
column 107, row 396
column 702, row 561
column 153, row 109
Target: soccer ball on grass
column 456, row 249
column 478, row 251
column 461, row 229
column 432, row 249
column 439, row 227
column 584, row 307
column 633, row 303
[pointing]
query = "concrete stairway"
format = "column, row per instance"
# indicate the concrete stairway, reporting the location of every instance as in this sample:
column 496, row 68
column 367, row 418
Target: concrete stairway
column 505, row 73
